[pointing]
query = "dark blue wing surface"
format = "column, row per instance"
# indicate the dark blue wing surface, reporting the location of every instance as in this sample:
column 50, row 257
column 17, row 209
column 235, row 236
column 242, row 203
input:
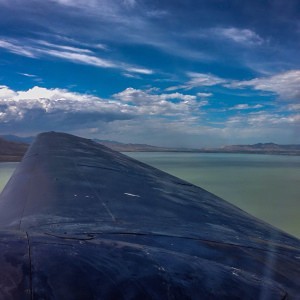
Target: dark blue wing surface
column 92, row 223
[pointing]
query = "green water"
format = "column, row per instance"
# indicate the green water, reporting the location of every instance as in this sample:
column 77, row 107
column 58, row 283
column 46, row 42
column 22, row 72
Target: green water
column 6, row 170
column 267, row 186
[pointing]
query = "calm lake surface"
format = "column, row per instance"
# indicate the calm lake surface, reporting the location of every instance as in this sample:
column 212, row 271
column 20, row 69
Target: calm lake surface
column 266, row 186
column 6, row 170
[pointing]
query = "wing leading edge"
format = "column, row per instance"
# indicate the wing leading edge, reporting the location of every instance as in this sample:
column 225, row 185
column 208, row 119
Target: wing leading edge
column 91, row 223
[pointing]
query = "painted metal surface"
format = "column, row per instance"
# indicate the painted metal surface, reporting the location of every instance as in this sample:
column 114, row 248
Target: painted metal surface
column 86, row 222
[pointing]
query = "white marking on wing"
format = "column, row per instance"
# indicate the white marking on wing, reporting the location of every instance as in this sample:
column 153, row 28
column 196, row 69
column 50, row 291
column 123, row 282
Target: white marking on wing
column 132, row 195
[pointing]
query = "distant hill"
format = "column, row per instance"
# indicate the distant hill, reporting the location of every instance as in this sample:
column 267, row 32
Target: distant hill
column 260, row 148
column 264, row 148
column 12, row 151
column 12, row 148
column 134, row 147
column 15, row 138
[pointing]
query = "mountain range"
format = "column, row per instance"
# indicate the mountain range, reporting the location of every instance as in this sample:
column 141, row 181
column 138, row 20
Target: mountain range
column 12, row 148
column 12, row 151
column 259, row 148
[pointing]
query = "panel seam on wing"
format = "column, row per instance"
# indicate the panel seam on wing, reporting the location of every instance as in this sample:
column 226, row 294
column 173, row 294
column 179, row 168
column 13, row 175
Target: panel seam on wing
column 30, row 266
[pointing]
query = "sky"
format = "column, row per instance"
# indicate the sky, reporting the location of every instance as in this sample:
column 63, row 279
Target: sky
column 181, row 73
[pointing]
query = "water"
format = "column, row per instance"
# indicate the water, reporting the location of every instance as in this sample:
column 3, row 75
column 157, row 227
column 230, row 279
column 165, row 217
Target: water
column 266, row 186
column 6, row 170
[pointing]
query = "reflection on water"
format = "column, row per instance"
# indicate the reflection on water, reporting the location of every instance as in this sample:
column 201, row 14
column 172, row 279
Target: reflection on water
column 267, row 186
column 6, row 170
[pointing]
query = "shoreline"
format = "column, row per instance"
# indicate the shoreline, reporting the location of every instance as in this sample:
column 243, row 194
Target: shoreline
column 15, row 158
column 215, row 152
column 10, row 158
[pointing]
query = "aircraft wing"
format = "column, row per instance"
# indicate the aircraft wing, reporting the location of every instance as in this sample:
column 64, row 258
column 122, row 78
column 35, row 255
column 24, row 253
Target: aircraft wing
column 81, row 221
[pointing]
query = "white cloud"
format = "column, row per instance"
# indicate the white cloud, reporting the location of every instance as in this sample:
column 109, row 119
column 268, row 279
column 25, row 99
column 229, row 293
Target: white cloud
column 151, row 103
column 240, row 36
column 28, row 75
column 62, row 47
column 17, row 49
column 40, row 48
column 129, row 75
column 261, row 126
column 126, row 21
column 245, row 106
column 264, row 119
column 294, row 107
column 198, row 80
column 188, row 132
column 134, row 115
column 138, row 70
column 6, row 92
column 113, row 21
column 51, row 108
column 204, row 95
column 53, row 103
column 286, row 85
column 80, row 58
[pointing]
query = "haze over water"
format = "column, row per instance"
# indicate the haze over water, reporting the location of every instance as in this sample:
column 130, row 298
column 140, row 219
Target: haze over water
column 266, row 186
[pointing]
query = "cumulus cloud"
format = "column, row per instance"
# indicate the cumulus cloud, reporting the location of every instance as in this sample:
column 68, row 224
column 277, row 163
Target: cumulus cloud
column 44, row 108
column 56, row 108
column 189, row 132
column 286, row 84
column 175, row 118
column 262, row 119
column 6, row 92
column 152, row 103
column 261, row 126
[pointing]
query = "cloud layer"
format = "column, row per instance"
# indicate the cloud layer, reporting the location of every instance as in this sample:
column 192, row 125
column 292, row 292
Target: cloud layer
column 59, row 108
column 133, row 114
column 170, row 71
column 286, row 85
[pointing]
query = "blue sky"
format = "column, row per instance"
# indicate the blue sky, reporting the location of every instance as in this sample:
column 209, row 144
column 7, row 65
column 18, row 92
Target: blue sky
column 185, row 73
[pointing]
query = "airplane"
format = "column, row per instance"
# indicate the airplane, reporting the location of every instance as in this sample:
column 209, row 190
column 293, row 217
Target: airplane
column 81, row 221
